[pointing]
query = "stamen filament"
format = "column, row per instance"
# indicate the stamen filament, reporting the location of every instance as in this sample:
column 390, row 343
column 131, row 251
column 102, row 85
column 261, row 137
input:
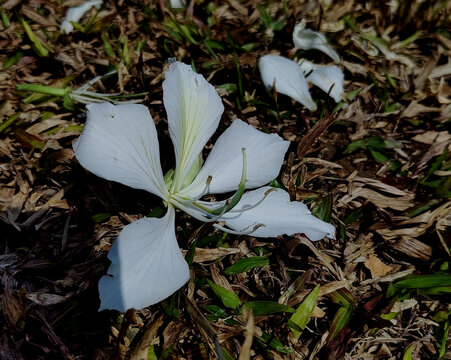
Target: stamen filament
column 256, row 204
column 232, row 201
column 234, row 232
column 204, row 214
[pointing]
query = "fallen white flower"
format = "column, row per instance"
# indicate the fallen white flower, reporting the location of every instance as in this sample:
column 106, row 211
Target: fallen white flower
column 328, row 78
column 74, row 14
column 287, row 77
column 120, row 143
column 307, row 39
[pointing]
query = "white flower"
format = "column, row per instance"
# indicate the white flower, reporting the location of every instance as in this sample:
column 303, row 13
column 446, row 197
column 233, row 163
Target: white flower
column 287, row 77
column 328, row 78
column 74, row 14
column 290, row 78
column 307, row 39
column 119, row 143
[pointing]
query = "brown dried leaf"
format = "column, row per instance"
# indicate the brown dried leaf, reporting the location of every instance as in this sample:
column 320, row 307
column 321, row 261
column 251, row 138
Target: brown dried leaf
column 376, row 266
column 413, row 248
column 202, row 255
column 430, row 216
column 46, row 299
column 12, row 307
column 398, row 199
column 16, row 204
column 33, row 15
column 218, row 279
column 306, row 143
column 433, row 137
column 245, row 353
column 414, row 109
column 142, row 349
column 425, row 72
column 55, row 201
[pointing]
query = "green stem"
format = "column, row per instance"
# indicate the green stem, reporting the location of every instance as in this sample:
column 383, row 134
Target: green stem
column 42, row 89
column 5, row 124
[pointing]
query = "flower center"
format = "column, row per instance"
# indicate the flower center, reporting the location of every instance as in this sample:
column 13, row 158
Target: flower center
column 211, row 212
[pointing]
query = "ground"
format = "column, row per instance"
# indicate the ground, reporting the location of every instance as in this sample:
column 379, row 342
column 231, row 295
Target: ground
column 376, row 165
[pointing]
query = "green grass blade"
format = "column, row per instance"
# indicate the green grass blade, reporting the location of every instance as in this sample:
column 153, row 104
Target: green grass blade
column 246, row 264
column 228, row 298
column 303, row 313
column 260, row 308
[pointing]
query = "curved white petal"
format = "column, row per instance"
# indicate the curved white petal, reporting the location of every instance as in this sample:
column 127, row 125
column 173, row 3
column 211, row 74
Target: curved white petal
column 119, row 143
column 146, row 267
column 328, row 78
column 277, row 215
column 264, row 158
column 287, row 77
column 307, row 39
column 194, row 109
column 75, row 13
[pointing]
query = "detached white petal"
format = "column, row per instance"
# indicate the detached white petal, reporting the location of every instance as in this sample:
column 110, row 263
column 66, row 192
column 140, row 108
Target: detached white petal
column 146, row 265
column 277, row 215
column 264, row 158
column 307, row 39
column 194, row 109
column 328, row 78
column 287, row 77
column 119, row 143
column 177, row 4
column 76, row 13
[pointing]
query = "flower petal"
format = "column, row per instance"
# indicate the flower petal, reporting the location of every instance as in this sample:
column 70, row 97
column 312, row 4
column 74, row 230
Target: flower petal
column 75, row 13
column 119, row 143
column 307, row 39
column 328, row 78
column 194, row 109
column 146, row 267
column 264, row 158
column 277, row 215
column 177, row 4
column 287, row 77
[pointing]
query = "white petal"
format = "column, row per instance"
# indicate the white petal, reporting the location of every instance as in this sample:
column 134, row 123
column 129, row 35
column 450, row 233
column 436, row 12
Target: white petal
column 278, row 215
column 194, row 109
column 307, row 39
column 288, row 78
column 264, row 158
column 328, row 78
column 76, row 13
column 177, row 4
column 146, row 265
column 119, row 143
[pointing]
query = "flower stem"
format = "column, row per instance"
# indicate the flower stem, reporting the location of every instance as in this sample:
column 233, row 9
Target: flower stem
column 43, row 89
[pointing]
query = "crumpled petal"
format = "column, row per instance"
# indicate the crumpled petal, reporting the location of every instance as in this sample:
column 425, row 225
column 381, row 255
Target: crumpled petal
column 307, row 39
column 76, row 13
column 119, row 143
column 194, row 109
column 264, row 158
column 277, row 215
column 287, row 77
column 328, row 78
column 146, row 267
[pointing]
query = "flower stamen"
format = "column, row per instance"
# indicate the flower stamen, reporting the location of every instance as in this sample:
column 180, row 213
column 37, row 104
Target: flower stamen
column 233, row 200
column 242, row 232
column 267, row 192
